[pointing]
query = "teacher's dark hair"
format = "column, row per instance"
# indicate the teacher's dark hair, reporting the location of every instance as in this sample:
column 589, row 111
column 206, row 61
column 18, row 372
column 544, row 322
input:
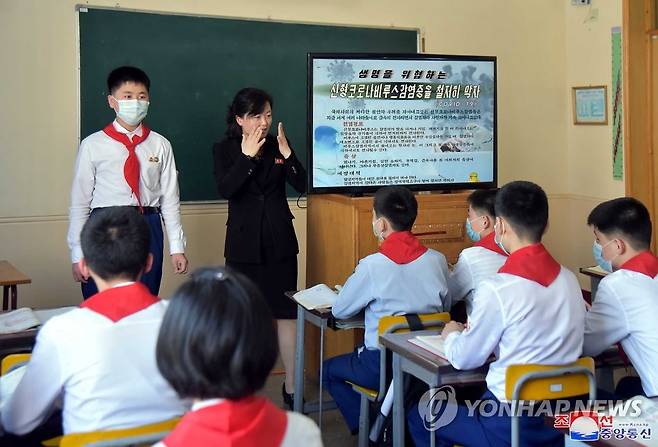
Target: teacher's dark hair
column 248, row 101
column 217, row 339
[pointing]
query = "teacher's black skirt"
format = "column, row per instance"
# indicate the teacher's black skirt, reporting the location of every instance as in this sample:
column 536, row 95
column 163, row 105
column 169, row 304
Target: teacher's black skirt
column 273, row 276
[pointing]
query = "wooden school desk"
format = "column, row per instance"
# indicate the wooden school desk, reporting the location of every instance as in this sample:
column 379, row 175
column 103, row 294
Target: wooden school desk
column 9, row 279
column 323, row 319
column 596, row 274
column 430, row 368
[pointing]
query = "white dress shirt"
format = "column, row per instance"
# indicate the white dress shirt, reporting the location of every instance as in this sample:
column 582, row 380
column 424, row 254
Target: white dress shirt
column 521, row 322
column 104, row 370
column 99, row 182
column 625, row 309
column 384, row 288
column 474, row 265
column 300, row 429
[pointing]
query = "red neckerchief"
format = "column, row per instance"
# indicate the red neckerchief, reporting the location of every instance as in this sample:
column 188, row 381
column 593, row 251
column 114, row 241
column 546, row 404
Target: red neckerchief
column 402, row 247
column 489, row 242
column 119, row 302
column 131, row 166
column 533, row 262
column 645, row 263
column 253, row 421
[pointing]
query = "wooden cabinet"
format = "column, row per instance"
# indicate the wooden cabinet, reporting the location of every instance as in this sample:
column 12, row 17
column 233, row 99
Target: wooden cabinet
column 339, row 234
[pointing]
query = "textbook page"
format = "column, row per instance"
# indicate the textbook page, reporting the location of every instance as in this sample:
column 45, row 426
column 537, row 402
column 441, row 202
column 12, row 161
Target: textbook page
column 18, row 320
column 317, row 297
column 432, row 343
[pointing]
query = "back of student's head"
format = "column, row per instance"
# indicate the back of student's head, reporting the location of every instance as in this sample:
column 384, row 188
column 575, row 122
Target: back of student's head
column 398, row 205
column 115, row 243
column 483, row 201
column 121, row 75
column 217, row 338
column 525, row 207
column 623, row 217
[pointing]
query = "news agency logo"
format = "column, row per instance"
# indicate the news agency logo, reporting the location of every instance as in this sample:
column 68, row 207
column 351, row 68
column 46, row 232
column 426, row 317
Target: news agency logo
column 583, row 425
column 438, row 407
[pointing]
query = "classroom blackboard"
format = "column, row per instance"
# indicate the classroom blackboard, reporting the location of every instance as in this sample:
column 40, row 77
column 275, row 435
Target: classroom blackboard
column 197, row 64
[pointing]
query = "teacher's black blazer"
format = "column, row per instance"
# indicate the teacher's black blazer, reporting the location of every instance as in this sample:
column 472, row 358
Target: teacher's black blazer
column 255, row 193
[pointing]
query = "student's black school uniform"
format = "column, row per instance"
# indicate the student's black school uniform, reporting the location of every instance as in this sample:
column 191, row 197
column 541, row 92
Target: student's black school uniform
column 260, row 238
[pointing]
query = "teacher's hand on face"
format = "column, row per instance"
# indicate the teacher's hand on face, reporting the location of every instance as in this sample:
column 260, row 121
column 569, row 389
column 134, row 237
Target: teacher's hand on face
column 252, row 143
column 284, row 148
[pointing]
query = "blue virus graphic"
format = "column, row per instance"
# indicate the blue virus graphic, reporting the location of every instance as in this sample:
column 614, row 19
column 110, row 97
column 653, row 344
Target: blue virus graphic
column 340, row 71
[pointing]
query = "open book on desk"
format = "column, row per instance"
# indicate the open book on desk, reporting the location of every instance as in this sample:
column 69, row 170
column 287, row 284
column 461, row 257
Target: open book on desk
column 316, row 297
column 432, row 343
column 25, row 318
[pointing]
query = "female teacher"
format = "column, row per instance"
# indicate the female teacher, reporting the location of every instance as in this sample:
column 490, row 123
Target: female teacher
column 251, row 170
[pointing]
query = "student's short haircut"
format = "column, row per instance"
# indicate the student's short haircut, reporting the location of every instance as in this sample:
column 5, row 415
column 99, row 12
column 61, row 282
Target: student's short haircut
column 115, row 242
column 398, row 205
column 483, row 201
column 626, row 217
column 217, row 339
column 525, row 206
column 248, row 101
column 121, row 75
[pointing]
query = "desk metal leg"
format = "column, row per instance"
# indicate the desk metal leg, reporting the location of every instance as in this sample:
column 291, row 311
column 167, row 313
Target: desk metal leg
column 5, row 298
column 321, row 395
column 14, row 296
column 398, row 402
column 298, row 405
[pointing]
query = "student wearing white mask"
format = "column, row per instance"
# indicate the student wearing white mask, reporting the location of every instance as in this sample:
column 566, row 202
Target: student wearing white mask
column 530, row 312
column 485, row 257
column 403, row 277
column 626, row 302
column 127, row 164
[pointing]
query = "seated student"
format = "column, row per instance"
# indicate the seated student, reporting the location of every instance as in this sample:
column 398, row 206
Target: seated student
column 100, row 358
column 626, row 302
column 485, row 257
column 404, row 277
column 531, row 311
column 217, row 345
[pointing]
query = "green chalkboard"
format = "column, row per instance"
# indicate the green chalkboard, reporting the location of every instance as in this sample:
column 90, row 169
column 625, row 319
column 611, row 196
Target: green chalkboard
column 197, row 64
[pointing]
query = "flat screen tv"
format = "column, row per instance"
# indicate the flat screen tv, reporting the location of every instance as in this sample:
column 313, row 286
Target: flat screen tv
column 420, row 120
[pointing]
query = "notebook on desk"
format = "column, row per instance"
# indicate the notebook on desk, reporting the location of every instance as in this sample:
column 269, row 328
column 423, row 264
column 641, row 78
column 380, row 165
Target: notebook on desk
column 25, row 318
column 432, row 343
column 316, row 297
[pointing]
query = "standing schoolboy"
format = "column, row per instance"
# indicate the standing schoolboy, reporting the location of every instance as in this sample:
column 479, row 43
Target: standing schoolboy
column 99, row 360
column 485, row 257
column 531, row 311
column 127, row 164
column 404, row 277
column 626, row 302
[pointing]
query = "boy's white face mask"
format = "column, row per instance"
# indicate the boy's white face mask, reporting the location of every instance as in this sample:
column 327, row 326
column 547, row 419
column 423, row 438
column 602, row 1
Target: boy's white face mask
column 132, row 111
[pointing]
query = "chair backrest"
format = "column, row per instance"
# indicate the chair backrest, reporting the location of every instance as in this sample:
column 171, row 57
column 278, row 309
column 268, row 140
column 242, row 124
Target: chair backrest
column 13, row 361
column 546, row 382
column 399, row 323
column 143, row 434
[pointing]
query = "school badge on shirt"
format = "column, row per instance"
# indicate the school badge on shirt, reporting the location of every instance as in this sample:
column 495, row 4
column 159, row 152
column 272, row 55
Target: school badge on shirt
column 154, row 159
column 278, row 161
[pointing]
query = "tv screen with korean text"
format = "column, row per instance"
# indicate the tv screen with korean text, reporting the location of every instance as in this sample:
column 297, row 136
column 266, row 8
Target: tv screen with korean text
column 424, row 121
